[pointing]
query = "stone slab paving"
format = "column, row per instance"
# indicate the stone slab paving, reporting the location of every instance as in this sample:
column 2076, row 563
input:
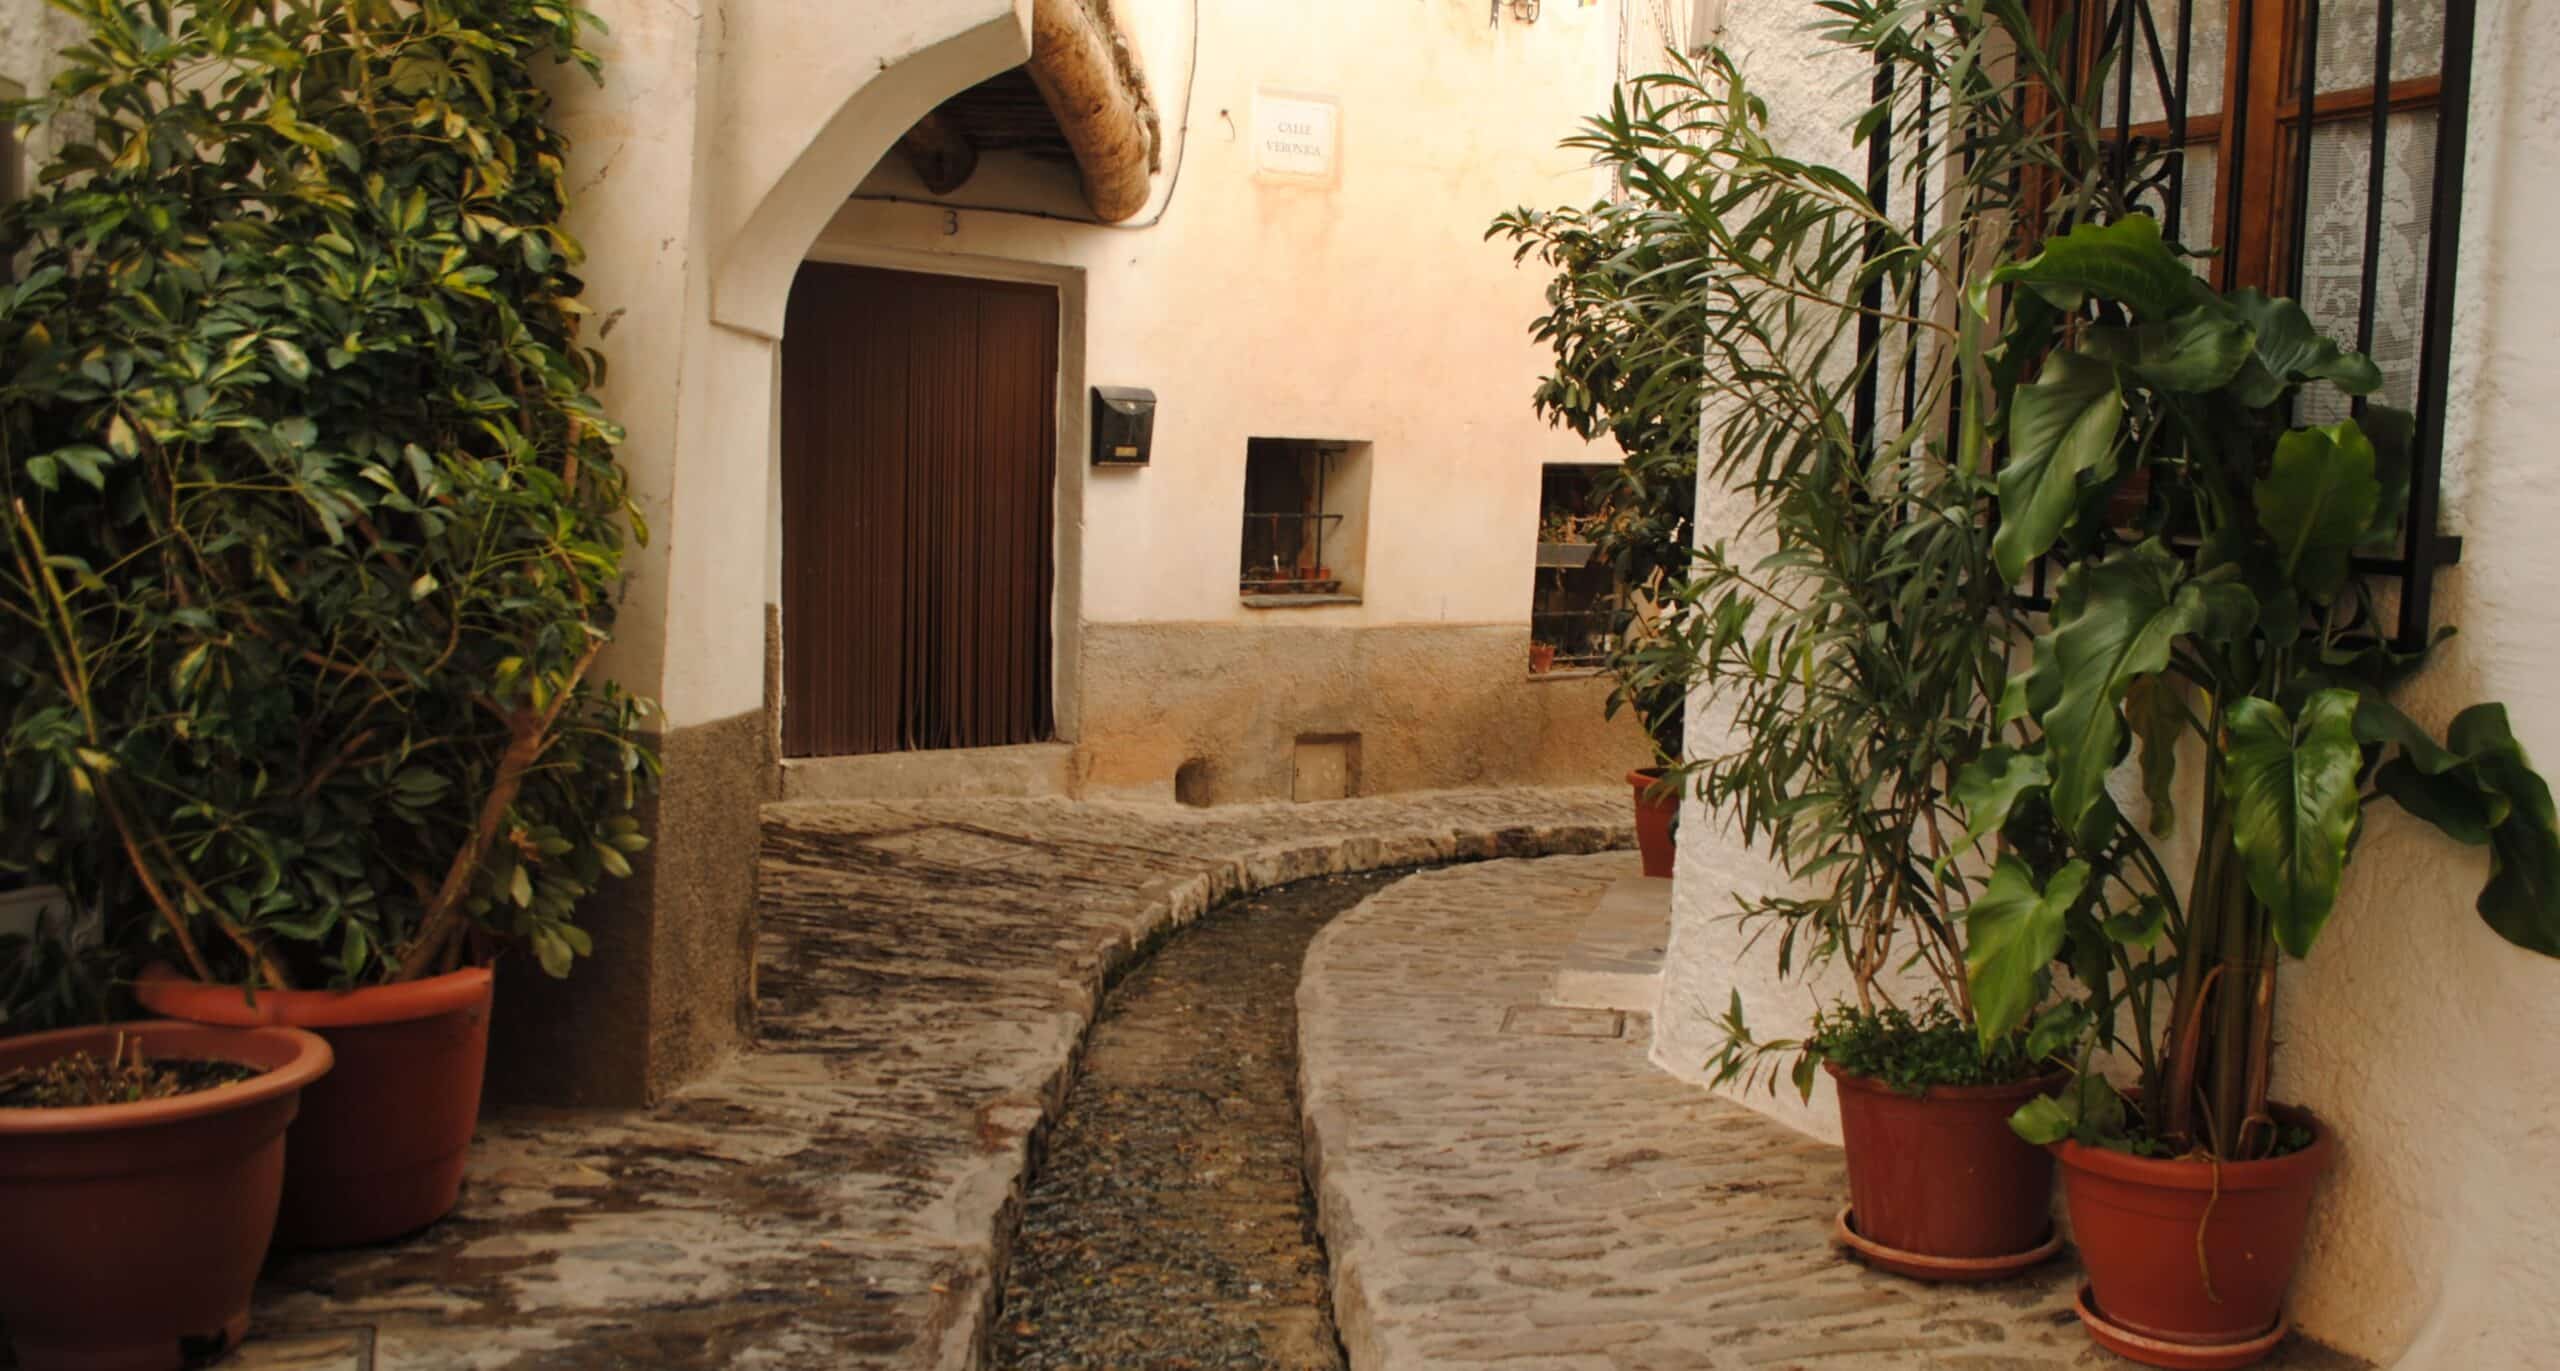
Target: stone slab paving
column 840, row 1196
column 1504, row 1184
column 1615, row 958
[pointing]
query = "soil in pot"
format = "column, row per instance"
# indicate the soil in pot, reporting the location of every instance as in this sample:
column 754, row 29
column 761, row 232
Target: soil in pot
column 380, row 1148
column 2192, row 1253
column 136, row 1230
column 123, row 1076
column 1940, row 1188
column 1654, row 819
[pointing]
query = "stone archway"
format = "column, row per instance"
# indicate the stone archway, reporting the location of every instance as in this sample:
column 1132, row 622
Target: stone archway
column 706, row 164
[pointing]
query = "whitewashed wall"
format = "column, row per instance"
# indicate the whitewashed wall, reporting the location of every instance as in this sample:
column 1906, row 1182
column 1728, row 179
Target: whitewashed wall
column 1813, row 89
column 1366, row 308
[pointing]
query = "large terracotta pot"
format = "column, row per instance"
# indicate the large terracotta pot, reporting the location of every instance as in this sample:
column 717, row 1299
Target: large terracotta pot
column 380, row 1146
column 132, row 1229
column 1653, row 823
column 1939, row 1186
column 2141, row 1223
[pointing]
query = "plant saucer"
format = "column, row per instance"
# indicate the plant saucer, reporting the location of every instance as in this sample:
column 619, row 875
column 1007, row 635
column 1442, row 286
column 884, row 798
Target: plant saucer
column 1924, row 1267
column 2178, row 1356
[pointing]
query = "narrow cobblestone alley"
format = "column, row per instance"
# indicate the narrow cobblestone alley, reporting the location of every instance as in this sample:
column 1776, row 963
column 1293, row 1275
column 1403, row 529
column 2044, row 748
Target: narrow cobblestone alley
column 1507, row 1185
column 841, row 1196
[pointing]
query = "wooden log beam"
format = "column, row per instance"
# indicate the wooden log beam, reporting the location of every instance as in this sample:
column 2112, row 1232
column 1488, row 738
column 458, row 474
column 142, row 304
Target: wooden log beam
column 940, row 152
column 1092, row 84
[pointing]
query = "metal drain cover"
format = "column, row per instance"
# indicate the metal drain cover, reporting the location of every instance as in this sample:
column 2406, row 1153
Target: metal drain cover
column 1557, row 1021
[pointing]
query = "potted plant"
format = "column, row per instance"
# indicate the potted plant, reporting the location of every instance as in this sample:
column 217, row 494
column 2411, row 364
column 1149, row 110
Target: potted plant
column 2226, row 621
column 140, row 1166
column 315, row 532
column 1849, row 635
column 1542, row 658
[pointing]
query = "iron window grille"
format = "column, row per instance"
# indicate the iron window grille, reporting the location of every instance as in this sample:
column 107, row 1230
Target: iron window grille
column 1577, row 598
column 1286, row 524
column 2311, row 148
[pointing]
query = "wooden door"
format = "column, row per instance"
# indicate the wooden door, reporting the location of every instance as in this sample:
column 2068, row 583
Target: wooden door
column 919, row 471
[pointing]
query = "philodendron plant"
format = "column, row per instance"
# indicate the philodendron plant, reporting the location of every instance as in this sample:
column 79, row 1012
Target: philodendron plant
column 2223, row 625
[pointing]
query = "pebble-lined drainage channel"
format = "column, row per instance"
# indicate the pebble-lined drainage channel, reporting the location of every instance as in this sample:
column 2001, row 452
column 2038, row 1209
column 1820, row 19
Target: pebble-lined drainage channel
column 1169, row 1226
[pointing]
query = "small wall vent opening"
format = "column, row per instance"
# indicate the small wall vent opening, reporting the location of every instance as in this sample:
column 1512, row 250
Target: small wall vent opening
column 1325, row 767
column 1194, row 783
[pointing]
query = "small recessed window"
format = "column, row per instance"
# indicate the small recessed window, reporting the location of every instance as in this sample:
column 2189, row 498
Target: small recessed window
column 1306, row 522
column 1573, row 608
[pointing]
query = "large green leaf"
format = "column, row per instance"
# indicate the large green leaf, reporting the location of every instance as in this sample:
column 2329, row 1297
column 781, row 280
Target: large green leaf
column 2522, row 899
column 2291, row 788
column 2132, row 608
column 2394, row 434
column 2317, row 503
column 2290, row 351
column 2012, row 933
column 2157, row 706
column 2063, row 429
column 2197, row 351
column 1988, row 789
column 2126, row 262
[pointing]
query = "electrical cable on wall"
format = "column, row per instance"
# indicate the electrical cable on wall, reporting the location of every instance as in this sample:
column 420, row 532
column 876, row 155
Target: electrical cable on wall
column 1173, row 179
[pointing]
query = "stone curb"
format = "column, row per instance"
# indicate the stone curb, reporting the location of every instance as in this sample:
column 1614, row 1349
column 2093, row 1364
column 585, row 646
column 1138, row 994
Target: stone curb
column 994, row 1198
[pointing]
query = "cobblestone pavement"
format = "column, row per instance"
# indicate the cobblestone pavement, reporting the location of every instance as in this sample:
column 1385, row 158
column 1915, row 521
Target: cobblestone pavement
column 1506, row 1184
column 839, row 1196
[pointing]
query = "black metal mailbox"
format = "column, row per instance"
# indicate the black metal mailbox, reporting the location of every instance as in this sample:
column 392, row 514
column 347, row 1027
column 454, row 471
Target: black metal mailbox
column 1124, row 425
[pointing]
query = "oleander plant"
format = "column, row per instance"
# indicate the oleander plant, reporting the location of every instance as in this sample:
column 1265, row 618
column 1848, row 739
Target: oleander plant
column 311, row 526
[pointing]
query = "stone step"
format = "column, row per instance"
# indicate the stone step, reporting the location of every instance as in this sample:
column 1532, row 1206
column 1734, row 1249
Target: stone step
column 1615, row 960
column 1028, row 771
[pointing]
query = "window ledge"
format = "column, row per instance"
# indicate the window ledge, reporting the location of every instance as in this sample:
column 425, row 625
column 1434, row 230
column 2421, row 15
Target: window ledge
column 1569, row 673
column 1295, row 601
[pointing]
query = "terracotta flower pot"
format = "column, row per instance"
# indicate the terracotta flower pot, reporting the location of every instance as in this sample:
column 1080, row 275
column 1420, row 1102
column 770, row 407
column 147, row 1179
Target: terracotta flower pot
column 380, row 1146
column 135, row 1228
column 2141, row 1223
column 1939, row 1187
column 1653, row 823
column 1542, row 658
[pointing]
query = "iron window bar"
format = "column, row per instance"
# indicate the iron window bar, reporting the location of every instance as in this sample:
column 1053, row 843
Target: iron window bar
column 1302, row 579
column 1289, row 580
column 2129, row 33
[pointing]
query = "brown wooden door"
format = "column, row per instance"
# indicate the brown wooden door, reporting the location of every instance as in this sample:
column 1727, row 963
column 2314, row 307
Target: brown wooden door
column 919, row 466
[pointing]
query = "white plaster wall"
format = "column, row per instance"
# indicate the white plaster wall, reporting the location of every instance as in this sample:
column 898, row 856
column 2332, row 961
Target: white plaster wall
column 718, row 144
column 1813, row 91
column 2425, row 1038
column 30, row 36
column 1371, row 311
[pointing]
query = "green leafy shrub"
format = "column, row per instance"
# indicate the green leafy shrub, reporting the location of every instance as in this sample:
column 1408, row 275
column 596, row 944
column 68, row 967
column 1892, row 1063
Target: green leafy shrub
column 310, row 527
column 1719, row 318
column 2224, row 610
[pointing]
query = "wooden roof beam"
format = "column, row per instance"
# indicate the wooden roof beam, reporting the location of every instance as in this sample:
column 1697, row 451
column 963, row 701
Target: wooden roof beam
column 1092, row 83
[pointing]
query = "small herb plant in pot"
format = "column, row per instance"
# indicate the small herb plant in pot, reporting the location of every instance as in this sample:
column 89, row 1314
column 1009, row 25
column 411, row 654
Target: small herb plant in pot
column 310, row 533
column 2224, row 619
column 140, row 1166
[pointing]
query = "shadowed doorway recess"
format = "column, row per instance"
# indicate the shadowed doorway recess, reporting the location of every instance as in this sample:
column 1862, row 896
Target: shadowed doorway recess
column 919, row 474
